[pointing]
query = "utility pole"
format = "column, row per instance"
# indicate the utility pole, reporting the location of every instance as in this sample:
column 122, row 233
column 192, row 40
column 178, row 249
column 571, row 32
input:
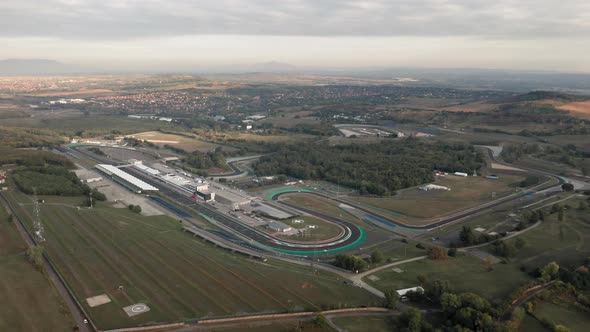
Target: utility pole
column 37, row 226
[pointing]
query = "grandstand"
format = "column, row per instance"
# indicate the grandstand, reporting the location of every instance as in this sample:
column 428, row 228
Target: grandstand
column 127, row 180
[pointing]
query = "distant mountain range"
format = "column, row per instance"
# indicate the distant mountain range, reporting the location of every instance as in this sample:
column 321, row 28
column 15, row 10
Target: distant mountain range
column 273, row 66
column 37, row 67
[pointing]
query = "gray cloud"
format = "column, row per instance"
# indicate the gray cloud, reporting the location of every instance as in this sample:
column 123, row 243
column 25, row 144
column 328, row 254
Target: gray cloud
column 128, row 19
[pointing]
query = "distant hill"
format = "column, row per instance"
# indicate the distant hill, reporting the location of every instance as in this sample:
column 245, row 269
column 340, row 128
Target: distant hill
column 36, row 67
column 273, row 66
column 545, row 95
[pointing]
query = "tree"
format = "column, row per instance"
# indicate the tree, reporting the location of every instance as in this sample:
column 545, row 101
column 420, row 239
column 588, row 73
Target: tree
column 422, row 279
column 550, row 271
column 489, row 263
column 520, row 243
column 412, row 320
column 561, row 328
column 376, row 257
column 136, row 209
column 437, row 253
column 320, row 321
column 555, row 208
column 434, row 290
column 391, row 298
column 452, row 252
column 35, row 255
column 466, row 235
column 505, row 249
column 350, row 262
column 567, row 187
column 561, row 215
column 450, row 302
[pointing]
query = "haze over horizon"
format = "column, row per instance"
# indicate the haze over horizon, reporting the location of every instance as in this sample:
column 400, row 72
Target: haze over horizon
column 181, row 35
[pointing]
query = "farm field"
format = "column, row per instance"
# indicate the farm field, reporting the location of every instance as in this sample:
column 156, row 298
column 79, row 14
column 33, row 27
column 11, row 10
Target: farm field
column 579, row 109
column 88, row 126
column 29, row 301
column 464, row 273
column 465, row 192
column 182, row 142
column 372, row 323
column 176, row 275
column 279, row 327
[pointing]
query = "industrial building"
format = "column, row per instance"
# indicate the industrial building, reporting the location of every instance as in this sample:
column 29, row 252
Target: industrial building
column 268, row 211
column 206, row 195
column 127, row 180
column 235, row 201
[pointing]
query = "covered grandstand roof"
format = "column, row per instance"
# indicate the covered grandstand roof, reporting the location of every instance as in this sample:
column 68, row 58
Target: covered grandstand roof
column 112, row 170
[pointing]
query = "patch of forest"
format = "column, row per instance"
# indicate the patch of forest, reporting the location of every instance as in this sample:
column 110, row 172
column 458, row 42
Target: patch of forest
column 378, row 169
column 49, row 180
column 33, row 157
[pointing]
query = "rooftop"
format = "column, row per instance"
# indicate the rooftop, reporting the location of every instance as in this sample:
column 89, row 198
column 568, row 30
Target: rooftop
column 112, row 170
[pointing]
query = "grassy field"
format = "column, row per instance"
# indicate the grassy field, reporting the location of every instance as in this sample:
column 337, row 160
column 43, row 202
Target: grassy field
column 374, row 234
column 324, row 231
column 565, row 314
column 464, row 273
column 178, row 276
column 178, row 141
column 465, row 192
column 547, row 243
column 29, row 302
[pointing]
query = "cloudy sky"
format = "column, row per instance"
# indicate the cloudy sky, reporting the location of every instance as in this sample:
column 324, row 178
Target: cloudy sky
column 523, row 34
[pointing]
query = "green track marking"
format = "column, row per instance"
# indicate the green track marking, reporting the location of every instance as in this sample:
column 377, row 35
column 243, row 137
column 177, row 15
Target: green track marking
column 356, row 243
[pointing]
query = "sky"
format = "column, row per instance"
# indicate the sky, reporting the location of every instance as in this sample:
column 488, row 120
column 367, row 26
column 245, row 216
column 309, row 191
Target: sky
column 193, row 34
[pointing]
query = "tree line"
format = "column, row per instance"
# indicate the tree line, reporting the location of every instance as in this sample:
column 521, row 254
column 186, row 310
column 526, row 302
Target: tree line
column 378, row 169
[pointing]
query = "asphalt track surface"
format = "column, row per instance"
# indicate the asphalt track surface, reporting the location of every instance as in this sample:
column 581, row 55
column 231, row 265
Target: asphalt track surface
column 441, row 222
column 353, row 235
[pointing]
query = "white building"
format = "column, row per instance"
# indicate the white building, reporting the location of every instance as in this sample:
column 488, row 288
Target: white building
column 402, row 293
column 279, row 227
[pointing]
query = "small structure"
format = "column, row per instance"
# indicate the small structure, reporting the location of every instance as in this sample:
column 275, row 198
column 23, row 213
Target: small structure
column 430, row 186
column 402, row 293
column 168, row 159
column 461, row 174
column 93, row 180
column 256, row 117
column 278, row 226
column 492, row 177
